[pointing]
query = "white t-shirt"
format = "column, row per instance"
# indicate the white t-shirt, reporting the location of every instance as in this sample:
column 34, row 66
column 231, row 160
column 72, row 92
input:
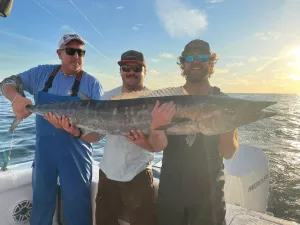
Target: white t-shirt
column 123, row 160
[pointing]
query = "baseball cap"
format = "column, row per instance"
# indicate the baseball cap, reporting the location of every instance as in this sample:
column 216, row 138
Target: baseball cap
column 132, row 56
column 69, row 37
column 197, row 44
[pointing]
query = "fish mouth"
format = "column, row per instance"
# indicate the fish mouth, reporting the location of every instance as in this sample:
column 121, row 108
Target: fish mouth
column 256, row 116
column 259, row 105
column 264, row 114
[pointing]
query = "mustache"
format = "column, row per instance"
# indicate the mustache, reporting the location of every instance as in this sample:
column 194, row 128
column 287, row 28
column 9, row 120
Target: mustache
column 197, row 66
column 132, row 76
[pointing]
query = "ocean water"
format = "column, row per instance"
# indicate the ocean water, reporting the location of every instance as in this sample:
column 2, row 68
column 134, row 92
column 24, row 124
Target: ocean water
column 278, row 137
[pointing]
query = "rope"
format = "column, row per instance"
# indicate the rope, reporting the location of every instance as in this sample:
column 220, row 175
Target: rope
column 5, row 156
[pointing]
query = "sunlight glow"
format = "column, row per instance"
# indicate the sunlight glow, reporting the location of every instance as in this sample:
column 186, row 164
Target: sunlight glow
column 294, row 77
column 296, row 53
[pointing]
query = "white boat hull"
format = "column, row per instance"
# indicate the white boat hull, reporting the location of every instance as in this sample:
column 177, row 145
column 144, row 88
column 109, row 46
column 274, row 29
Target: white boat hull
column 16, row 195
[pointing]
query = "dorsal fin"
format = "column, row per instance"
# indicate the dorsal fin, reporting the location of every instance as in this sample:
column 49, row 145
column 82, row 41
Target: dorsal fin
column 170, row 91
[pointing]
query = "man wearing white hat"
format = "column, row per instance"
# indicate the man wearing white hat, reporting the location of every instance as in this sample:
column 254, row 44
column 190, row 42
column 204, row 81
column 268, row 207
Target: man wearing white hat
column 61, row 149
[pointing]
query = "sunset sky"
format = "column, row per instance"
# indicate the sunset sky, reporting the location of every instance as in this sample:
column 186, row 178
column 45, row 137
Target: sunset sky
column 258, row 42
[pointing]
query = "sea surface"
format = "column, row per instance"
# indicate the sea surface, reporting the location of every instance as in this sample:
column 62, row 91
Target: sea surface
column 278, row 137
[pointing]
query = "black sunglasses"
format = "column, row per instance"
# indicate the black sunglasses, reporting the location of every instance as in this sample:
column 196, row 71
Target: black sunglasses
column 72, row 51
column 135, row 68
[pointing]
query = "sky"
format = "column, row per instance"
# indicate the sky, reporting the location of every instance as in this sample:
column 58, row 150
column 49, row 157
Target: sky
column 257, row 42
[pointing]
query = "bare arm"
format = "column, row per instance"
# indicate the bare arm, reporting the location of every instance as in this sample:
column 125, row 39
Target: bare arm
column 90, row 137
column 19, row 102
column 161, row 116
column 158, row 140
column 63, row 123
column 9, row 91
column 228, row 144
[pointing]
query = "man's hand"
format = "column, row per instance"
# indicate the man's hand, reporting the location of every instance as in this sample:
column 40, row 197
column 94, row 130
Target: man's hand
column 162, row 114
column 53, row 120
column 19, row 104
column 62, row 123
column 138, row 138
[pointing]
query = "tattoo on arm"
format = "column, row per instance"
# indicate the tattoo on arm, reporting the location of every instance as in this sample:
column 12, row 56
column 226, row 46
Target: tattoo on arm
column 14, row 80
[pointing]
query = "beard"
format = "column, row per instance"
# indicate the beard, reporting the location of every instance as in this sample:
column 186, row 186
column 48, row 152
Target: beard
column 196, row 76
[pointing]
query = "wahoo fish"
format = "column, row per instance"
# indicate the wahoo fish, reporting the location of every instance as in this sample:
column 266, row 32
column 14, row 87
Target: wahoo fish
column 194, row 113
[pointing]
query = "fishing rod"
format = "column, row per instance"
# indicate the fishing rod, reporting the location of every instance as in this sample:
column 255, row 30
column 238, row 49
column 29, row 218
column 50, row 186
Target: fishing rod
column 5, row 7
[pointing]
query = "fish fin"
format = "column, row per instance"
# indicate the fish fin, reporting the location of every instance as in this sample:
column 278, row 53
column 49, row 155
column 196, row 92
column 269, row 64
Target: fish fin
column 190, row 139
column 14, row 124
column 170, row 91
column 87, row 131
column 180, row 119
column 175, row 121
column 83, row 96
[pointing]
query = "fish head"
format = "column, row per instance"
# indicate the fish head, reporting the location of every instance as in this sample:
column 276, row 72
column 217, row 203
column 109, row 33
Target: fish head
column 227, row 114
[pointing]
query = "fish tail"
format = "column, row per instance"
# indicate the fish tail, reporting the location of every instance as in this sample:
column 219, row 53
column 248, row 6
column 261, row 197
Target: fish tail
column 14, row 125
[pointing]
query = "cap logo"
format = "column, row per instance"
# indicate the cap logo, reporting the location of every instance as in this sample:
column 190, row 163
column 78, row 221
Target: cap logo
column 130, row 57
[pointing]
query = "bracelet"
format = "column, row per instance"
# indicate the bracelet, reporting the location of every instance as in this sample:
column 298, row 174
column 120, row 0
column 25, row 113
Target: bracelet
column 80, row 134
column 12, row 102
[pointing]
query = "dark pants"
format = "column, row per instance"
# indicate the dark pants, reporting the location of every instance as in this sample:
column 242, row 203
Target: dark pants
column 131, row 201
column 193, row 215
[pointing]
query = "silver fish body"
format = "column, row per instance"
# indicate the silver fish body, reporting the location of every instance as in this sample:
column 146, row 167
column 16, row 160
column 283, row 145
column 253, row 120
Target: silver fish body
column 208, row 115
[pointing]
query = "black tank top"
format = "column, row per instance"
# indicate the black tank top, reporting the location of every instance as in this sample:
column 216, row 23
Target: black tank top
column 194, row 175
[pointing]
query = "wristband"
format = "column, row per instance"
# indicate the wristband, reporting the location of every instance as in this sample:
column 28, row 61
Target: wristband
column 80, row 134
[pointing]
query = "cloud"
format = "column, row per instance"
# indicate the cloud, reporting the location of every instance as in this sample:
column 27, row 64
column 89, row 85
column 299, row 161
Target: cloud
column 169, row 79
column 120, row 7
column 252, row 59
column 153, row 72
column 166, row 55
column 221, row 71
column 21, row 37
column 294, row 77
column 66, row 27
column 267, row 36
column 111, row 81
column 179, row 19
column 236, row 64
column 214, row 1
column 269, row 62
column 137, row 26
column 155, row 60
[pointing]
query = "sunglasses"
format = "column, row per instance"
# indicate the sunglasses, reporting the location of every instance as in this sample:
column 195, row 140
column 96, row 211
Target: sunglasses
column 72, row 51
column 135, row 68
column 191, row 58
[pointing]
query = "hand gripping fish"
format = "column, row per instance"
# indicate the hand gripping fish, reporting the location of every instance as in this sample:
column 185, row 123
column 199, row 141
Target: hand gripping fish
column 194, row 113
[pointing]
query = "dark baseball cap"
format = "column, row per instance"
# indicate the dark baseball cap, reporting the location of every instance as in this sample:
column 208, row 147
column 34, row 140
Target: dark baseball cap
column 132, row 56
column 197, row 44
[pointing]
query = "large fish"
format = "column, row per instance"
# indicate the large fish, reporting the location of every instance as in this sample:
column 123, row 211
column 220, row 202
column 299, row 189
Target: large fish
column 193, row 114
